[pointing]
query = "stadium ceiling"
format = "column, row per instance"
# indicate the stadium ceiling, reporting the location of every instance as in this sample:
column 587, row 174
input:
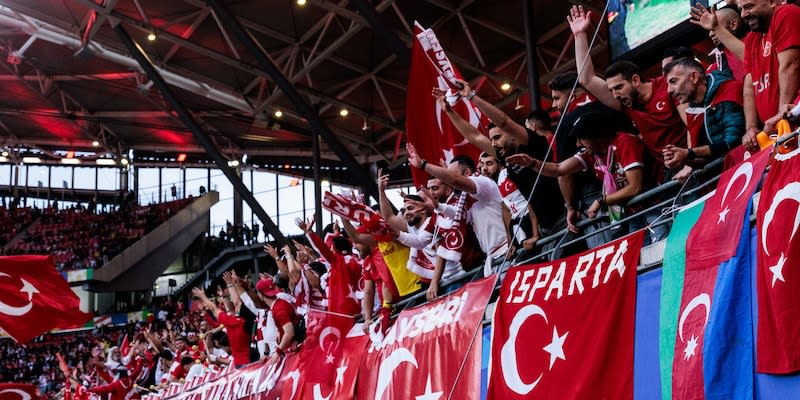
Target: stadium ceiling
column 69, row 79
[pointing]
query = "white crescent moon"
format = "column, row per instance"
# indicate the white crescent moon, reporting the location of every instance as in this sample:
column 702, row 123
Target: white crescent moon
column 329, row 330
column 508, row 354
column 14, row 311
column 701, row 299
column 295, row 377
column 318, row 393
column 388, row 366
column 790, row 191
column 746, row 170
column 23, row 395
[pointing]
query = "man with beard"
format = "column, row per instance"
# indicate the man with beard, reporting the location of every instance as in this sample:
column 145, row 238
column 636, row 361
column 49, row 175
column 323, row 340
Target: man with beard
column 715, row 118
column 772, row 63
column 545, row 213
column 647, row 104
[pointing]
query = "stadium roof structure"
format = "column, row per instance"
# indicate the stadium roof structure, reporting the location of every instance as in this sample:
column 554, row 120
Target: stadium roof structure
column 71, row 77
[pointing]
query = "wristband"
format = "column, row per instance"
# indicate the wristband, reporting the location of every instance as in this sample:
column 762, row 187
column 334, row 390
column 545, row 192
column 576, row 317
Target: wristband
column 471, row 95
column 690, row 155
column 423, row 164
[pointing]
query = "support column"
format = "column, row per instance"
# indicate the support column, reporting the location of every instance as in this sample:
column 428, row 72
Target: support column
column 200, row 136
column 315, row 160
column 533, row 60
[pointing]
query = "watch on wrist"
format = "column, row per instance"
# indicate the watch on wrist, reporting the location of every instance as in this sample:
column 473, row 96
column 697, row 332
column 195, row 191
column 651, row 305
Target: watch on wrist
column 690, row 155
column 423, row 164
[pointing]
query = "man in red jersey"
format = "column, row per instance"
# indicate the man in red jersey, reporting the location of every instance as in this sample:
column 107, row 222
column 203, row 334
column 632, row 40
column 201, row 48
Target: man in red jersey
column 647, row 104
column 771, row 60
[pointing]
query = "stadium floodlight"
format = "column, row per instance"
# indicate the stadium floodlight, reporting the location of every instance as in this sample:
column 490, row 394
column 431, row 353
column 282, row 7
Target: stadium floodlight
column 31, row 160
column 3, row 159
column 71, row 161
column 105, row 161
column 233, row 163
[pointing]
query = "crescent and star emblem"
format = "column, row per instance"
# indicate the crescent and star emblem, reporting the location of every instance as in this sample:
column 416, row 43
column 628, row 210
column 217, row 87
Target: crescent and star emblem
column 701, row 299
column 745, row 170
column 508, row 353
column 660, row 105
column 19, row 311
column 788, row 192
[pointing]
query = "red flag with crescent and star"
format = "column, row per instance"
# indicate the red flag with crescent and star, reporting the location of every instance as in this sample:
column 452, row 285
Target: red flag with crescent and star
column 432, row 352
column 427, row 126
column 17, row 391
column 717, row 230
column 778, row 279
column 35, row 298
column 328, row 363
column 565, row 329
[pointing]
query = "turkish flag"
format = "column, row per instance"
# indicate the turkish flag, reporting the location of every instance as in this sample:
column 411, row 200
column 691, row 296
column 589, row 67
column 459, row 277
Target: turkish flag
column 564, row 329
column 778, row 278
column 431, row 352
column 35, row 298
column 323, row 362
column 16, row 391
column 343, row 278
column 718, row 229
column 428, row 128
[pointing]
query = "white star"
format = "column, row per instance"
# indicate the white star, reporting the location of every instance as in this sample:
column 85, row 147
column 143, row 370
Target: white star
column 28, row 288
column 329, row 359
column 556, row 347
column 340, row 373
column 777, row 270
column 429, row 393
column 723, row 215
column 688, row 352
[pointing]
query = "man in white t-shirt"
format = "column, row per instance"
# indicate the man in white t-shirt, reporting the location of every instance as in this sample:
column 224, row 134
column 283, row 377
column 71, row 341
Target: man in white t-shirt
column 483, row 205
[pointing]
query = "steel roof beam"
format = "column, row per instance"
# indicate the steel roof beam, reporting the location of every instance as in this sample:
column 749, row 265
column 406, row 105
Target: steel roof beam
column 362, row 177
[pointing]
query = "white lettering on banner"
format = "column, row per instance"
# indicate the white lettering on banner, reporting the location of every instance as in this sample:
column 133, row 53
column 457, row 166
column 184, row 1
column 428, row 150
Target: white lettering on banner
column 434, row 317
column 438, row 51
column 522, row 290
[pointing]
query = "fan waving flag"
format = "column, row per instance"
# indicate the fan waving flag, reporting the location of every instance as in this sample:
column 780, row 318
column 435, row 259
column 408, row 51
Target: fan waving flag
column 778, row 278
column 35, row 298
column 427, row 126
column 564, row 330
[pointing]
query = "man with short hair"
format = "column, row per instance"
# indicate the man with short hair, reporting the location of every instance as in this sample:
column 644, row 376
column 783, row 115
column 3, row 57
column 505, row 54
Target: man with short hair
column 489, row 166
column 480, row 205
column 674, row 53
column 715, row 118
column 647, row 104
column 772, row 63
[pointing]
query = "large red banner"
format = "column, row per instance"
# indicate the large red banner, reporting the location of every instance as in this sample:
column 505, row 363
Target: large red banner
column 778, row 278
column 427, row 126
column 14, row 391
column 564, row 329
column 431, row 352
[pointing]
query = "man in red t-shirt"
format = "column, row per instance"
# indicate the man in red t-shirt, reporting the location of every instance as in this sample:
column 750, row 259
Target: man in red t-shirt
column 283, row 313
column 656, row 115
column 772, row 62
column 238, row 336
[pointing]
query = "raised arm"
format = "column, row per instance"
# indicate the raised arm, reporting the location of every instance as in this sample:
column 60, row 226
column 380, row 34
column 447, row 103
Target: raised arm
column 579, row 22
column 447, row 176
column 707, row 19
column 497, row 116
column 469, row 132
column 395, row 222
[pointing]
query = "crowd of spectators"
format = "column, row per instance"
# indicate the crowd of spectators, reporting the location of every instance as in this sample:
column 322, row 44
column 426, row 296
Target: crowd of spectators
column 15, row 220
column 619, row 135
column 78, row 238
